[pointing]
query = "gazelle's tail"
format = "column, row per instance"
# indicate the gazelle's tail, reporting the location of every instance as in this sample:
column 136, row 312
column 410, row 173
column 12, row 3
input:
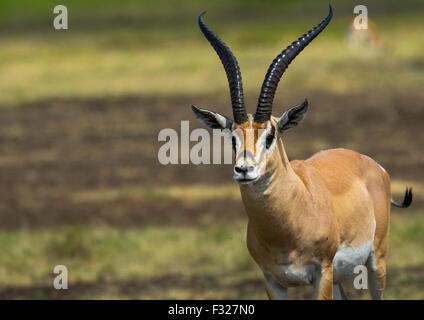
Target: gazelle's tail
column 407, row 200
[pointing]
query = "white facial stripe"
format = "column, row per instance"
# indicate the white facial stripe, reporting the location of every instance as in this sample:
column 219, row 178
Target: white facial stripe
column 249, row 167
column 261, row 143
column 273, row 144
column 238, row 134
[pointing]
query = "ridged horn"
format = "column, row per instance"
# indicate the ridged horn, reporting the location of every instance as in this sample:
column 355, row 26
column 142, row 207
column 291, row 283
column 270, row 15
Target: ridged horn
column 279, row 65
column 231, row 69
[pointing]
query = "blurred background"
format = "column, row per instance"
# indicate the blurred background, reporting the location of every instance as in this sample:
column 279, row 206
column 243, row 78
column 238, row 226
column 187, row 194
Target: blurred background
column 80, row 113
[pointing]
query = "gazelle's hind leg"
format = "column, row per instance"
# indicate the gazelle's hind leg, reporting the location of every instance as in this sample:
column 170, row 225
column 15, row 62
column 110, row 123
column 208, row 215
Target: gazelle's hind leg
column 379, row 188
column 376, row 277
column 376, row 263
column 338, row 292
column 343, row 292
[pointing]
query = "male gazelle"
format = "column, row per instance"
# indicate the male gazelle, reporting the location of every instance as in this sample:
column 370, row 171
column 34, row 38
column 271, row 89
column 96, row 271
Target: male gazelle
column 310, row 222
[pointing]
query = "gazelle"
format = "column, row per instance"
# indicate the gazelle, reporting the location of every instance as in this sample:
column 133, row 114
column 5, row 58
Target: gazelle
column 363, row 38
column 310, row 222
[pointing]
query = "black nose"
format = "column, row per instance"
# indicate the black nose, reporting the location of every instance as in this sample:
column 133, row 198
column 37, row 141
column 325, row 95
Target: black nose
column 243, row 169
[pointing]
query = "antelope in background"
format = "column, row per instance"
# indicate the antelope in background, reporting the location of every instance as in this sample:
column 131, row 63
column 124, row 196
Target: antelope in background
column 364, row 38
column 309, row 222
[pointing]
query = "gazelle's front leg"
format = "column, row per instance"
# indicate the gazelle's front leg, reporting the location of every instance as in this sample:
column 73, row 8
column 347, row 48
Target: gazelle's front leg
column 323, row 286
column 274, row 290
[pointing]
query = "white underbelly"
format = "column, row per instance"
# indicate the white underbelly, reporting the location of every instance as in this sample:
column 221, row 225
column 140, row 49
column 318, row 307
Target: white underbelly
column 347, row 258
column 344, row 263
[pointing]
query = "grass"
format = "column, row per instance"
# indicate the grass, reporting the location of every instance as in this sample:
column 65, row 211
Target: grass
column 202, row 262
column 197, row 193
column 145, row 54
column 110, row 255
column 189, row 194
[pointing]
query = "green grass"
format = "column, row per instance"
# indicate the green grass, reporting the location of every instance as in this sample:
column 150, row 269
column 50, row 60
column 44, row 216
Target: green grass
column 110, row 255
column 157, row 50
column 208, row 262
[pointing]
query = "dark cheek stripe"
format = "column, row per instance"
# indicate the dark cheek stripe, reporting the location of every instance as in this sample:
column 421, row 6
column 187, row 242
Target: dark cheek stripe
column 273, row 130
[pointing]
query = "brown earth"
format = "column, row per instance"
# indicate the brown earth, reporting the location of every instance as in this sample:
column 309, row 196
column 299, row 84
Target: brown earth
column 51, row 150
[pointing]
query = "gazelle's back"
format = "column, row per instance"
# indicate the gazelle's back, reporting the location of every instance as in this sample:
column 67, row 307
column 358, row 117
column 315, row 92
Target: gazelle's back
column 341, row 169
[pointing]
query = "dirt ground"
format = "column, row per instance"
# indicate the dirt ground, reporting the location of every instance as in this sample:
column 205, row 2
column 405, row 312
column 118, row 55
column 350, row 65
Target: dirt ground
column 51, row 154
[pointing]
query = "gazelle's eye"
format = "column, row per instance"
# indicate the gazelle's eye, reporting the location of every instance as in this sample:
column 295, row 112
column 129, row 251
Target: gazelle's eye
column 269, row 140
column 234, row 143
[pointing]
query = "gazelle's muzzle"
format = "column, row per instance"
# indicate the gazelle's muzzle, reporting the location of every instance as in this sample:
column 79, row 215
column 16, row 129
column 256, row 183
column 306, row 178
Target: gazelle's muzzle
column 245, row 169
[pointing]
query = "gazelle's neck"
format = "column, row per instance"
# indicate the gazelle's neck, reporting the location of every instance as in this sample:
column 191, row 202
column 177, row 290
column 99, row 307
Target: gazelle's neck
column 271, row 201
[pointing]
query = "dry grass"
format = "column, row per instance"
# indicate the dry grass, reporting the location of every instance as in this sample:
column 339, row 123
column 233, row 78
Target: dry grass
column 198, row 192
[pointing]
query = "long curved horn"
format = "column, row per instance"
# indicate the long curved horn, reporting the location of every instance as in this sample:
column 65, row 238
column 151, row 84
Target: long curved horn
column 279, row 65
column 231, row 69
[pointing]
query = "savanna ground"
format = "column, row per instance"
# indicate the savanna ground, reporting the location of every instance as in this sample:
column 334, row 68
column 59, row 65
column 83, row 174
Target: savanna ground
column 80, row 183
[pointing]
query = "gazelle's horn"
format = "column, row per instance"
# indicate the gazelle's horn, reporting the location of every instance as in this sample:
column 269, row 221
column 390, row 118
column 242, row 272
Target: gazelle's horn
column 279, row 65
column 231, row 69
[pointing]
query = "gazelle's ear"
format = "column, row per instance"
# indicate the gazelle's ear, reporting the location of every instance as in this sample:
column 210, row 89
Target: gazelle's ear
column 292, row 117
column 211, row 119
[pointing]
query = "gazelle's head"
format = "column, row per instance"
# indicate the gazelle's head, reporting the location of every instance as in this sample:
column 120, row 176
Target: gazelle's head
column 254, row 137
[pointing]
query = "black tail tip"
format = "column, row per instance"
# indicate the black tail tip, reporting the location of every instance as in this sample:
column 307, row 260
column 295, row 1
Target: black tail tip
column 407, row 200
